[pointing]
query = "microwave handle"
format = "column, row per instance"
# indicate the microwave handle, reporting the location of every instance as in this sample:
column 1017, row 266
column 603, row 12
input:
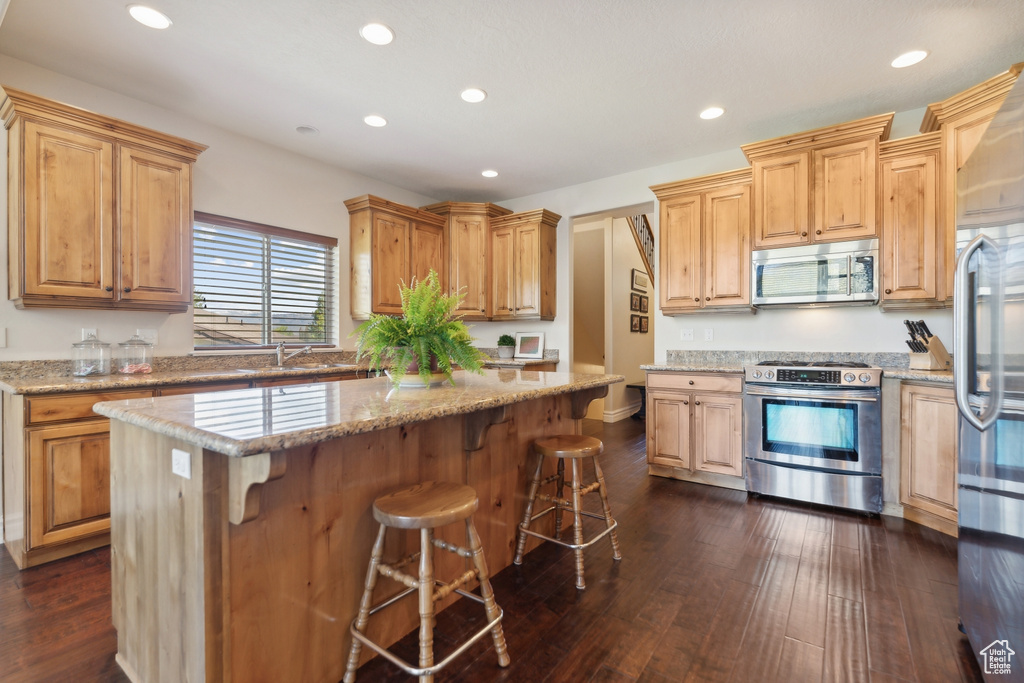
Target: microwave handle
column 849, row 275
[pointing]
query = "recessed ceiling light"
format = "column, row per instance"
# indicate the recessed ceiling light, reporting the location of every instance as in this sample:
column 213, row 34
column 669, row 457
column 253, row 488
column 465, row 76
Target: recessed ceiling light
column 489, row 174
column 712, row 113
column 375, row 121
column 473, row 95
column 909, row 58
column 378, row 34
column 147, row 16
column 307, row 130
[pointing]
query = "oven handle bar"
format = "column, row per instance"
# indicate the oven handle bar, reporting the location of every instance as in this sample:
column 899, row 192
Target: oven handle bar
column 870, row 396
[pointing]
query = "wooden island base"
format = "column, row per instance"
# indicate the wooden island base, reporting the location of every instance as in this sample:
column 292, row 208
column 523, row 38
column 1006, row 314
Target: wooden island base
column 198, row 596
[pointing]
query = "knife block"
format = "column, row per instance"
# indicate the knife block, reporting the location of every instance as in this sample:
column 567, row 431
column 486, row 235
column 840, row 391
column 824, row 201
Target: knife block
column 936, row 358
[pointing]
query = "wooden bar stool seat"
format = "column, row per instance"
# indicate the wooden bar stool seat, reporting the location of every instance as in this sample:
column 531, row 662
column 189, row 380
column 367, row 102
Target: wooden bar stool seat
column 572, row 447
column 426, row 506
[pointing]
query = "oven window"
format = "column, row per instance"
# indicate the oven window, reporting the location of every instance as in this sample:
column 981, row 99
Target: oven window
column 810, row 428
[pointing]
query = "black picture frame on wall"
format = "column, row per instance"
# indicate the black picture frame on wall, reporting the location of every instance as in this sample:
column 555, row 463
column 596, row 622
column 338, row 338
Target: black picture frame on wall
column 644, row 324
column 634, row 323
column 634, row 301
column 639, row 280
column 643, row 303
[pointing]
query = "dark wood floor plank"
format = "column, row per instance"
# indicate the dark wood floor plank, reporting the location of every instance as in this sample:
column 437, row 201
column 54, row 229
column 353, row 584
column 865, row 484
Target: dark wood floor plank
column 806, row 621
column 846, row 657
column 800, row 661
column 761, row 647
column 701, row 585
column 844, row 573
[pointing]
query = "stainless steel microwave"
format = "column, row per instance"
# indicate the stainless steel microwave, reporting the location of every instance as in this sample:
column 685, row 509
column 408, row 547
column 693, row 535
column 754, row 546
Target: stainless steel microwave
column 817, row 274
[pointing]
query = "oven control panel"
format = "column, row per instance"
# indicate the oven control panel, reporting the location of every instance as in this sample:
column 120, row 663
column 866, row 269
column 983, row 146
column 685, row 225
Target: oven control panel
column 821, row 376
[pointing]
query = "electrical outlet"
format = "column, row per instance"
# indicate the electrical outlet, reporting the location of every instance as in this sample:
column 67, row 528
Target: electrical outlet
column 148, row 334
column 686, row 334
column 709, row 334
column 86, row 331
column 181, row 463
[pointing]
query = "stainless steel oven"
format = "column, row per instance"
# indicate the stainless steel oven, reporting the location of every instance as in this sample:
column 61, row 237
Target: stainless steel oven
column 813, row 433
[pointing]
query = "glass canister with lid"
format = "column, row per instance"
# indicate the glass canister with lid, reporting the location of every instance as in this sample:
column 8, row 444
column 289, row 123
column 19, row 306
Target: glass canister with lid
column 90, row 357
column 134, row 356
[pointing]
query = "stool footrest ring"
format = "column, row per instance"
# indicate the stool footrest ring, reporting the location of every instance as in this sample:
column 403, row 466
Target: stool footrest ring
column 575, row 546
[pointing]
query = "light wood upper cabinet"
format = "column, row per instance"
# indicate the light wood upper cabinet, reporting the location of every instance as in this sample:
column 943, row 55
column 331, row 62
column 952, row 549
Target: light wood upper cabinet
column 961, row 120
column 817, row 186
column 523, row 265
column 391, row 243
column 99, row 212
column 928, row 459
column 469, row 253
column 911, row 243
column 704, row 235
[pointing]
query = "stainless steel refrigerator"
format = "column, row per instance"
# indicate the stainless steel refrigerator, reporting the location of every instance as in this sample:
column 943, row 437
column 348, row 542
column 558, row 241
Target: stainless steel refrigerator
column 989, row 379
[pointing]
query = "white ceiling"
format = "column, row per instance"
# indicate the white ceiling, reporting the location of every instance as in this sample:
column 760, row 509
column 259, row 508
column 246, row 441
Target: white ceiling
column 578, row 90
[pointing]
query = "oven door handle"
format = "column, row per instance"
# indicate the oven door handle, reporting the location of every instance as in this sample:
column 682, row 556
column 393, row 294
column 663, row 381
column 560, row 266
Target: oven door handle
column 821, row 395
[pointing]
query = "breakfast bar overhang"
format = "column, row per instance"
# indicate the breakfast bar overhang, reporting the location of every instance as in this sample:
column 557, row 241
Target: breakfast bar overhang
column 241, row 522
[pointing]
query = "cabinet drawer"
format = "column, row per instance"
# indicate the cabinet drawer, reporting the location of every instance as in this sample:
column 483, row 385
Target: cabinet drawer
column 63, row 407
column 202, row 388
column 694, row 382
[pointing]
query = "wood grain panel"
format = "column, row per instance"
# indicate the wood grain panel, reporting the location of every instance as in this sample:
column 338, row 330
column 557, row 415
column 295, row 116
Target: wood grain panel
column 928, row 459
column 679, row 254
column 844, row 191
column 718, row 428
column 727, row 246
column 909, row 231
column 782, row 200
column 695, row 382
column 469, row 266
column 503, row 273
column 669, row 430
column 391, row 261
column 48, row 409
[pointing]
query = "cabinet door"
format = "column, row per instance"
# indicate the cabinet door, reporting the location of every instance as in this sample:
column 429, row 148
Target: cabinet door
column 69, row 482
column 502, row 272
column 527, row 269
column 428, row 253
column 909, row 230
column 668, row 429
column 68, row 214
column 726, row 238
column 680, row 254
column 718, row 433
column 844, row 191
column 469, row 271
column 155, row 233
column 391, row 261
column 782, row 207
column 928, row 466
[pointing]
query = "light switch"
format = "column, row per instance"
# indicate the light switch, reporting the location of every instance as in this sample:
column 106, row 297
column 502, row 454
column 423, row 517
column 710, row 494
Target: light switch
column 686, row 334
column 709, row 334
column 181, row 463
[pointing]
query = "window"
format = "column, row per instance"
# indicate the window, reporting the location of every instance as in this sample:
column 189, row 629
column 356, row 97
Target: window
column 256, row 285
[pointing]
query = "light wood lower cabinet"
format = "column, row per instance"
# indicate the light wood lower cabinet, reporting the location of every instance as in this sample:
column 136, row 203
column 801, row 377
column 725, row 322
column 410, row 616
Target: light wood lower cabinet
column 928, row 458
column 695, row 427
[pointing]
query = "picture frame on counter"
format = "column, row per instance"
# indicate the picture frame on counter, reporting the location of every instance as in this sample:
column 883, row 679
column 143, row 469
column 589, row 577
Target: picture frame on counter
column 634, row 301
column 639, row 281
column 529, row 345
column 634, row 323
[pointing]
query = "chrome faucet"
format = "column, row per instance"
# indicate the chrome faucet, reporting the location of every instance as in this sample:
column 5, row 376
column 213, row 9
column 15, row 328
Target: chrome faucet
column 281, row 358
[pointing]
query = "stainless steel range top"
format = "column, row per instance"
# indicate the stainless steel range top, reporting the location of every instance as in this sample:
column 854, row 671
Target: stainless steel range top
column 843, row 374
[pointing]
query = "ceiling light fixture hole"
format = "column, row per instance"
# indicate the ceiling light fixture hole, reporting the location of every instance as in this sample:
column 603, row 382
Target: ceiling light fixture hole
column 474, row 95
column 147, row 16
column 909, row 58
column 711, row 113
column 378, row 34
column 375, row 121
column 489, row 174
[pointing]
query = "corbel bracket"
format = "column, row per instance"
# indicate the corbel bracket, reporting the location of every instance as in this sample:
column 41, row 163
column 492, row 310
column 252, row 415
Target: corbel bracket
column 581, row 400
column 245, row 477
column 477, row 424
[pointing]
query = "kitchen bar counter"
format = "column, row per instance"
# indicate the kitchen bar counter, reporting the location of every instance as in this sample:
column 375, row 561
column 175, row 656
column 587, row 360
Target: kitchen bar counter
column 251, row 566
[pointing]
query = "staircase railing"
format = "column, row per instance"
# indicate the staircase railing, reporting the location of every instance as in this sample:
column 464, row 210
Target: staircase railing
column 641, row 230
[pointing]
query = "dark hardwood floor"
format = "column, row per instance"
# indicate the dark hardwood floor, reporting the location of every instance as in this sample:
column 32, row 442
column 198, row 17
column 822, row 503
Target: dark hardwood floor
column 713, row 586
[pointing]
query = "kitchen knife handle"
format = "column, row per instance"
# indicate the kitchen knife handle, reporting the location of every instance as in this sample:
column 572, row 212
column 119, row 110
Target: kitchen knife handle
column 924, row 328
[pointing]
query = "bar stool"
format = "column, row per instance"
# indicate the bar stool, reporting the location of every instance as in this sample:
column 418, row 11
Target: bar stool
column 573, row 447
column 426, row 506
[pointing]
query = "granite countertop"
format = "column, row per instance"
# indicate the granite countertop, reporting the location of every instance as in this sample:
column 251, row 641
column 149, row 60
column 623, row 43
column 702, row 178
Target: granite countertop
column 248, row 421
column 517, row 362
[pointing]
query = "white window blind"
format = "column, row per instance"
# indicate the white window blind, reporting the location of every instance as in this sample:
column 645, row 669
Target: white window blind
column 257, row 285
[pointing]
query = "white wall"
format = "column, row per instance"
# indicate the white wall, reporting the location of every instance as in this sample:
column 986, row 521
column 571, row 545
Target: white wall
column 237, row 176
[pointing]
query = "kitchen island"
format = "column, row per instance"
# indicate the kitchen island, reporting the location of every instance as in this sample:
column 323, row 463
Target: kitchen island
column 250, row 567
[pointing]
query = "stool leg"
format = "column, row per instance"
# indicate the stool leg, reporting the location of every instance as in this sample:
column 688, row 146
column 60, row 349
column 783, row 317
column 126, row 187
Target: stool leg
column 490, row 606
column 577, row 532
column 560, row 488
column 531, row 496
column 364, row 605
column 607, row 509
column 426, row 596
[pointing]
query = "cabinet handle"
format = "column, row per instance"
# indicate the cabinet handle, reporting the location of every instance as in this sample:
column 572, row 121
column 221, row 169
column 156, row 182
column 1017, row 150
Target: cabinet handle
column 888, row 291
column 708, row 298
column 817, row 232
column 803, row 234
column 696, row 403
column 686, row 403
column 691, row 382
column 696, row 298
column 109, row 288
column 127, row 289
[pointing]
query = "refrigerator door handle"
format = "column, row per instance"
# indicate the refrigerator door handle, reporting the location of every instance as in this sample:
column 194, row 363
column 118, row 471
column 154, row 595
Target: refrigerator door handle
column 963, row 299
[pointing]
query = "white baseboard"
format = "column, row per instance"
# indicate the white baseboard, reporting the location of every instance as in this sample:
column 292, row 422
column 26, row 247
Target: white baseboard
column 621, row 413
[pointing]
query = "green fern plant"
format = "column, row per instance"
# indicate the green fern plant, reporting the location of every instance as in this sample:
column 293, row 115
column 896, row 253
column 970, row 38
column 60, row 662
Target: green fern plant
column 428, row 327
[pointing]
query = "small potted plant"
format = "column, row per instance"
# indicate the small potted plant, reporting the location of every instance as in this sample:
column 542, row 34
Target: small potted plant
column 428, row 339
column 506, row 346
